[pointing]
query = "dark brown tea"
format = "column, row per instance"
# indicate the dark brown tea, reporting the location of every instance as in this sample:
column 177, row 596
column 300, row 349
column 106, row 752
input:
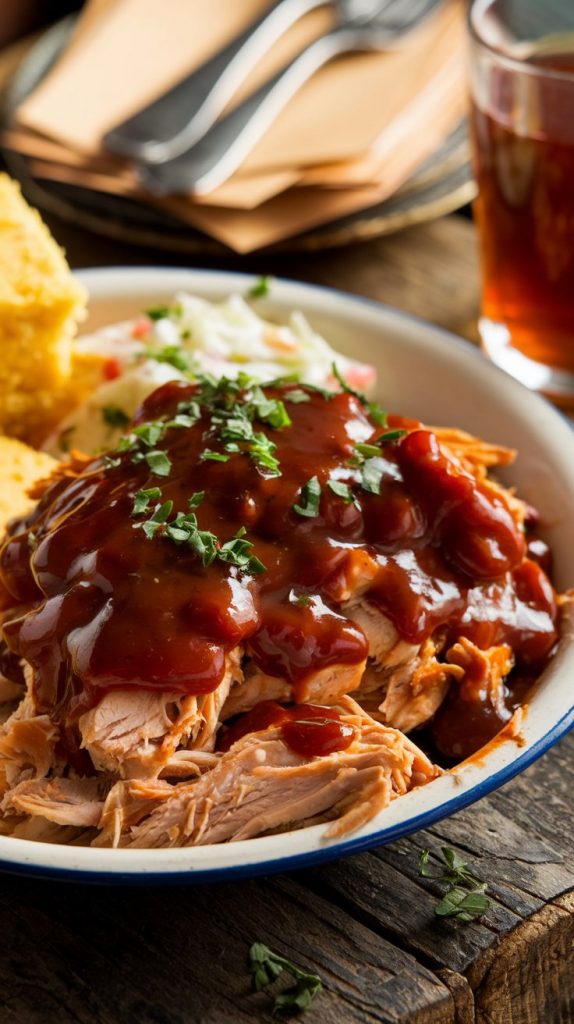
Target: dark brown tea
column 524, row 154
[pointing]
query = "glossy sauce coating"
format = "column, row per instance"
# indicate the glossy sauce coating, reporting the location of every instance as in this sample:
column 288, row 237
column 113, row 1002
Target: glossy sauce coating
column 310, row 730
column 98, row 605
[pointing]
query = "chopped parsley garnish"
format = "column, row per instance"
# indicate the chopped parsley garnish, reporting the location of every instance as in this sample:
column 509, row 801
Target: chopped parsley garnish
column 236, row 428
column 173, row 355
column 286, row 378
column 342, row 491
column 324, row 392
column 261, row 288
column 143, row 498
column 391, row 435
column 367, row 450
column 159, row 462
column 182, row 419
column 237, row 552
column 266, row 966
column 465, row 898
column 310, row 499
column 157, row 519
column 184, row 529
column 111, row 462
column 114, row 416
column 375, row 411
column 208, row 455
column 297, row 396
column 191, row 408
column 161, row 312
column 372, row 472
column 372, row 450
column 261, row 451
column 268, row 410
column 234, row 406
column 150, row 433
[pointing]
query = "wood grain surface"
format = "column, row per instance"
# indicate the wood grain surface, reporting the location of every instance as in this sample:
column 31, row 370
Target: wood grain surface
column 71, row 953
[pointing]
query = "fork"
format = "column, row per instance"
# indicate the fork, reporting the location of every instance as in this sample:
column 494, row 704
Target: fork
column 176, row 120
column 366, row 25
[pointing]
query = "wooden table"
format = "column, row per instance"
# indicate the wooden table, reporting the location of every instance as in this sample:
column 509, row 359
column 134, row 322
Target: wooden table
column 366, row 924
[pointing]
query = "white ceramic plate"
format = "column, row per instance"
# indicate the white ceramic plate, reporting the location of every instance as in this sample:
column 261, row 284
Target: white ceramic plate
column 427, row 374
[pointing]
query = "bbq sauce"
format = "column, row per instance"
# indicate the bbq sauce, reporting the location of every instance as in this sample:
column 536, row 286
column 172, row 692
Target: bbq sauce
column 101, row 604
column 308, row 729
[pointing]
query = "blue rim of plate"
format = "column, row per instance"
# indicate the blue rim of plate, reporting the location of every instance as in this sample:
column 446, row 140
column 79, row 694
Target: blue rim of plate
column 345, row 848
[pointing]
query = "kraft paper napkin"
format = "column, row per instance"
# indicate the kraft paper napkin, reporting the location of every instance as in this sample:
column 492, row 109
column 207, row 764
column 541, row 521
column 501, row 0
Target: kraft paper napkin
column 305, row 207
column 336, row 116
column 60, row 163
column 236, row 193
column 135, row 51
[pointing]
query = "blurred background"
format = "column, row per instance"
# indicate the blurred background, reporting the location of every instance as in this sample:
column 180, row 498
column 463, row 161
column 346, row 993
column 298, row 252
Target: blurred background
column 113, row 125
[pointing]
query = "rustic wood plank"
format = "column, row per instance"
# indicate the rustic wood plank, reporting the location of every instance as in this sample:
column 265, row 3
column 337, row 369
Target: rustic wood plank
column 527, row 862
column 170, row 956
column 461, row 993
column 525, row 870
column 532, row 971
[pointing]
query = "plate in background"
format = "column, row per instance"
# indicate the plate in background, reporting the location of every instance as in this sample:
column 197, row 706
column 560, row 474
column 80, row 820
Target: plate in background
column 442, row 184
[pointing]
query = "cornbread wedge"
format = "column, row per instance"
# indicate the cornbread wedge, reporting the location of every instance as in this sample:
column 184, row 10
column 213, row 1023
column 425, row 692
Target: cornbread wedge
column 20, row 468
column 40, row 305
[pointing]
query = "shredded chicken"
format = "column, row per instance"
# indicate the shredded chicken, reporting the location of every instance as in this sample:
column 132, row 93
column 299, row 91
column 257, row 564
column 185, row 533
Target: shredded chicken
column 63, row 801
column 477, row 456
column 472, row 452
column 161, row 780
column 260, row 784
column 27, row 743
column 481, row 671
column 136, row 733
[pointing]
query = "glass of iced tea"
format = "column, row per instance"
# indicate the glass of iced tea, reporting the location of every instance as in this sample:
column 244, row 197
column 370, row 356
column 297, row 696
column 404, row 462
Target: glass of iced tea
column 522, row 83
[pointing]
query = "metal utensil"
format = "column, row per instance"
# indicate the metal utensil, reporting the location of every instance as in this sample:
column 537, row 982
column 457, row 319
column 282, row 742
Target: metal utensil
column 373, row 25
column 170, row 125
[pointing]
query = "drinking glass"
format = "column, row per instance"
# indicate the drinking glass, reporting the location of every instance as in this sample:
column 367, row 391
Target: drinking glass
column 522, row 126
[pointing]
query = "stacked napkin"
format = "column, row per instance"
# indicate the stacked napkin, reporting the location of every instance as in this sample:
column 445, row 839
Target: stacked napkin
column 352, row 135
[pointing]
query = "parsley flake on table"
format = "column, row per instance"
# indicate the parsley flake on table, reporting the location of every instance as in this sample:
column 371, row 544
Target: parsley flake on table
column 465, row 898
column 266, row 966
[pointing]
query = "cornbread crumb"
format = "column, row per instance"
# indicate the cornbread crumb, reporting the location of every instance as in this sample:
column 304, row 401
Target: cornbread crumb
column 40, row 305
column 20, row 468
